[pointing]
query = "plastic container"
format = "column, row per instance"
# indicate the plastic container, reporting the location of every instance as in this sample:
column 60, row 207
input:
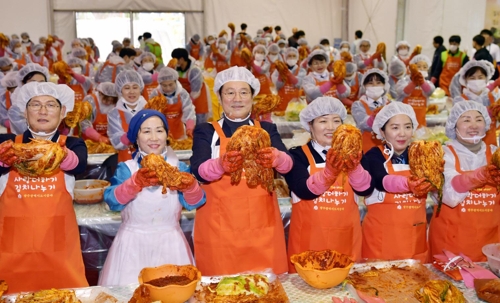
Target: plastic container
column 492, row 252
column 89, row 191
column 306, row 264
column 170, row 293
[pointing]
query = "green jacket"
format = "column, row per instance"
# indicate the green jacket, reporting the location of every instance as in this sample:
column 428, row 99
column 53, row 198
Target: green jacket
column 155, row 48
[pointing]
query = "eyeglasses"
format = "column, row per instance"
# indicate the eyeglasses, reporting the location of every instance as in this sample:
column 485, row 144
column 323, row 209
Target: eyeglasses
column 50, row 107
column 232, row 94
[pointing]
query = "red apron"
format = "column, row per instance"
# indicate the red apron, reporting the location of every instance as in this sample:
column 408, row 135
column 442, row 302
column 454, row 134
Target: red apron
column 59, row 52
column 124, row 154
column 195, row 50
column 418, row 101
column 354, row 89
column 395, row 80
column 39, row 237
column 21, row 62
column 288, row 92
column 265, row 86
column 87, row 70
column 239, row 228
column 101, row 120
column 450, row 68
column 396, row 228
column 8, row 104
column 200, row 103
column 208, row 63
column 79, row 93
column 148, row 89
column 173, row 112
column 369, row 138
column 470, row 225
column 330, row 221
column 491, row 134
column 332, row 92
column 114, row 66
column 32, row 57
column 221, row 65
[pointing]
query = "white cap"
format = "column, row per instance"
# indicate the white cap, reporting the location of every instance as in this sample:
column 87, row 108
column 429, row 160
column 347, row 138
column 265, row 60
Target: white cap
column 236, row 73
column 128, row 76
column 460, row 107
column 485, row 65
column 61, row 92
column 319, row 107
column 389, row 111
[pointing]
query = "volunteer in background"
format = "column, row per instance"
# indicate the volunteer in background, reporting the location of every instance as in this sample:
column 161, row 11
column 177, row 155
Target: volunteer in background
column 27, row 44
column 239, row 229
column 439, row 48
column 148, row 73
column 470, row 214
column 8, row 84
column 40, row 223
column 150, row 234
column 397, row 71
column 81, row 53
column 352, row 79
column 366, row 60
column 195, row 48
column 103, row 100
column 38, row 55
column 403, row 52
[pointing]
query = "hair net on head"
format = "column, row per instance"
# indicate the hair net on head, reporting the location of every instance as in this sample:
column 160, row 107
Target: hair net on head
column 485, row 65
column 107, row 89
column 25, row 34
column 273, row 48
column 319, row 46
column 221, row 40
column 9, row 80
column 396, row 67
column 77, row 41
column 75, row 60
column 350, row 68
column 128, row 76
column 302, row 41
column 459, row 109
column 345, row 42
column 167, row 74
column 78, row 52
column 196, row 37
column 401, row 43
column 281, row 41
column 259, row 47
column 389, row 111
column 282, row 36
column 260, row 31
column 61, row 92
column 236, row 73
column 318, row 52
column 139, row 118
column 117, row 45
column 13, row 43
column 37, row 48
column 85, row 42
column 147, row 54
column 369, row 72
column 319, row 107
column 291, row 50
column 365, row 40
column 29, row 68
column 5, row 61
column 261, row 40
column 419, row 58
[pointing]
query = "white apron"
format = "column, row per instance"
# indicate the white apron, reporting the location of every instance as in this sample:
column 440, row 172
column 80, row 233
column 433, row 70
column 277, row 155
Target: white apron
column 149, row 236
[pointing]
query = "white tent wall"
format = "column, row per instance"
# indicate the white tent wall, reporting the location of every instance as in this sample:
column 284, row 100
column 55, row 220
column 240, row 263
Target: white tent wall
column 25, row 16
column 426, row 19
column 317, row 18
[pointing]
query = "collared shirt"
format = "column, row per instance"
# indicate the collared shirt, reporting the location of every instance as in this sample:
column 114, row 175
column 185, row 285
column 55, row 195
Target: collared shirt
column 319, row 148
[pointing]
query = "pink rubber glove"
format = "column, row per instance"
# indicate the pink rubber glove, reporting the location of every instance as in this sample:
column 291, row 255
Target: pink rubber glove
column 127, row 191
column 292, row 79
column 193, row 194
column 7, row 123
column 410, row 88
column 154, row 77
column 321, row 181
column 368, row 61
column 396, row 184
column 211, row 170
column 426, row 87
column 369, row 122
column 257, row 68
column 92, row 134
column 433, row 80
column 348, row 102
column 470, row 180
column 70, row 161
column 190, row 127
column 79, row 78
column 359, row 178
column 341, row 88
column 494, row 84
column 323, row 88
column 125, row 140
column 345, row 300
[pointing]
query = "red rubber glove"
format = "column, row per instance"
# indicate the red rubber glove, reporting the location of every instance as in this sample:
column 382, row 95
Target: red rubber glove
column 494, row 174
column 419, row 187
column 7, row 156
column 333, row 165
column 231, row 161
column 145, row 177
column 104, row 139
column 187, row 181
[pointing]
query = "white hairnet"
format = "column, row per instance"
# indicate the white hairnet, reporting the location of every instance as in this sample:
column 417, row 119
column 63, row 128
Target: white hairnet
column 485, row 65
column 396, row 66
column 117, row 45
column 273, row 48
column 401, row 43
column 365, row 40
column 319, row 46
column 221, row 40
column 30, row 68
column 196, row 37
column 128, row 76
column 85, row 41
column 25, row 34
column 260, row 31
column 344, row 42
column 13, row 43
column 5, row 61
column 61, row 92
column 350, row 68
column 419, row 58
column 319, row 107
column 281, row 41
column 236, row 73
column 9, row 80
column 167, row 74
column 318, row 52
column 107, row 89
column 371, row 71
column 259, row 47
column 282, row 36
column 458, row 109
column 37, row 48
column 291, row 50
column 75, row 60
column 77, row 41
column 78, row 52
column 302, row 41
column 391, row 110
column 147, row 54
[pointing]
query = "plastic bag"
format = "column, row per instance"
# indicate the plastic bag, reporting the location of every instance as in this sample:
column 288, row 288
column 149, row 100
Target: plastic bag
column 293, row 109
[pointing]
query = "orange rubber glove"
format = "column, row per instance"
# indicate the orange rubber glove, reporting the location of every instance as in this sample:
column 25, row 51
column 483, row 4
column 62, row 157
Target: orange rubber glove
column 7, row 156
column 186, row 182
column 145, row 177
column 231, row 161
column 419, row 187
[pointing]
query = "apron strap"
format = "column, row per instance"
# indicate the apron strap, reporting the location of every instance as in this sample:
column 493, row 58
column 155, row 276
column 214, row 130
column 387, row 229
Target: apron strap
column 367, row 108
column 310, row 158
column 124, row 121
column 390, row 168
